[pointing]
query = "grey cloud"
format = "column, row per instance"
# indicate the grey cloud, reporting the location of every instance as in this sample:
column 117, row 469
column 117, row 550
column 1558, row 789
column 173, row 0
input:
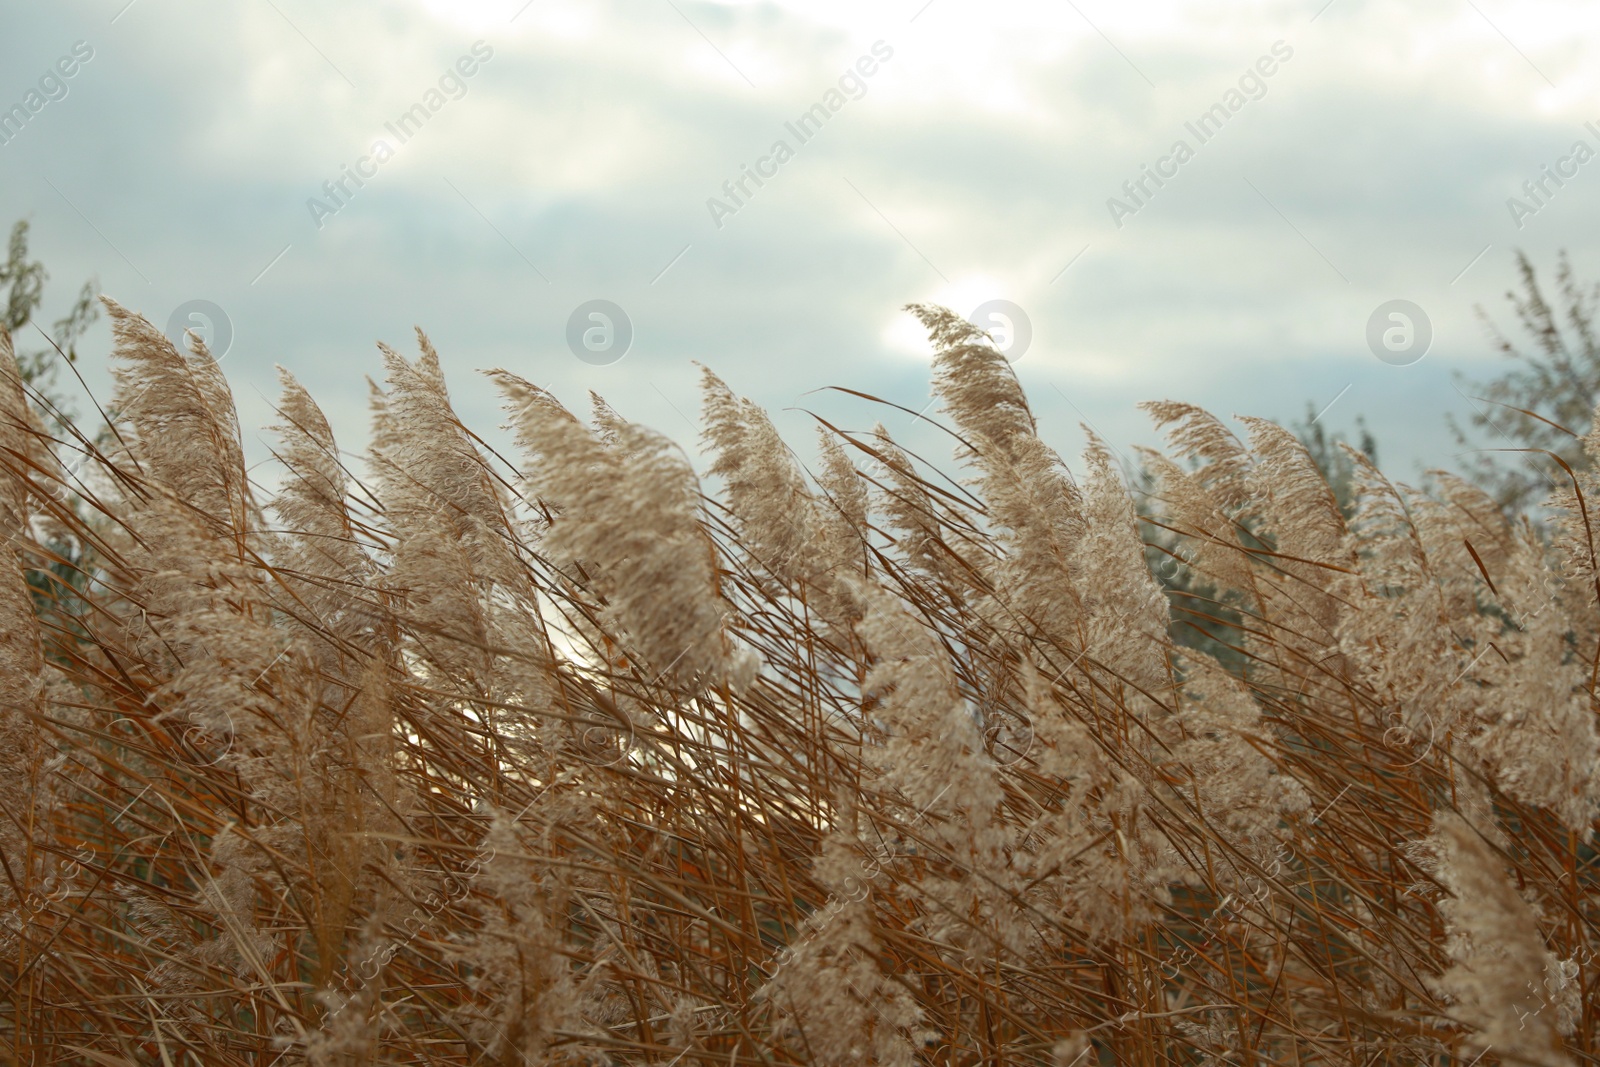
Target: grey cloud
column 171, row 150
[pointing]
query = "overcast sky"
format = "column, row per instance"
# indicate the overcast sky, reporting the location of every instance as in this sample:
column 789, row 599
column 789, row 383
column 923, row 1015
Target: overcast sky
column 186, row 159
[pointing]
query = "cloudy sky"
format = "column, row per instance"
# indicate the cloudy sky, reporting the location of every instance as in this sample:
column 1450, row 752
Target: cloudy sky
column 1366, row 153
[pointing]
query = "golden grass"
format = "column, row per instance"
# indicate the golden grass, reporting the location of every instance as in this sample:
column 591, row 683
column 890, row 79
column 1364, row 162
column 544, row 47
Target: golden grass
column 550, row 758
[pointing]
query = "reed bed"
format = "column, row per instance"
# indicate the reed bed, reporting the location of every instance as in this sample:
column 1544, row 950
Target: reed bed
column 441, row 756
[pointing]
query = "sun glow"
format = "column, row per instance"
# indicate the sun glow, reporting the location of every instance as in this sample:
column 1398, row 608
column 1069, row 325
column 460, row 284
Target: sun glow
column 902, row 333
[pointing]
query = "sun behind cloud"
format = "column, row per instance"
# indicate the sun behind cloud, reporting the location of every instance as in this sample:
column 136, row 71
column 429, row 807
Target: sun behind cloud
column 904, row 335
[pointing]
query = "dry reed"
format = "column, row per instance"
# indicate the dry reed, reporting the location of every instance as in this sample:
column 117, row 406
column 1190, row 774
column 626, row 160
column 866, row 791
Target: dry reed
column 463, row 758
